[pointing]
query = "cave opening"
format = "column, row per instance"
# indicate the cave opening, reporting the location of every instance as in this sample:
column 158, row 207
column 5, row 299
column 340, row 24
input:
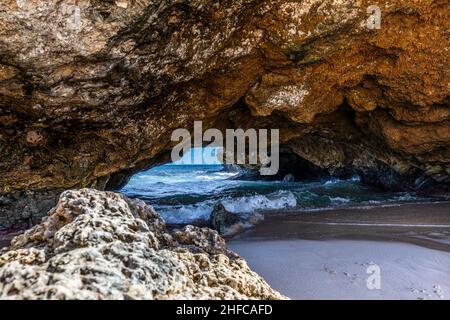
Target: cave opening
column 190, row 192
column 322, row 166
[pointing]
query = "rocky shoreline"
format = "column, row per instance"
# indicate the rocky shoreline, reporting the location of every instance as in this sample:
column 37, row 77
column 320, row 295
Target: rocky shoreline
column 102, row 245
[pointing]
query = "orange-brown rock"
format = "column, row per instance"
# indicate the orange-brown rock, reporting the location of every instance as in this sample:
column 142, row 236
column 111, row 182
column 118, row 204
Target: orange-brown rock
column 90, row 91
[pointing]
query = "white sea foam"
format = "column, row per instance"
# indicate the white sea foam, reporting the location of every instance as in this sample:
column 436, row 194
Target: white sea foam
column 339, row 200
column 277, row 200
column 186, row 213
column 241, row 205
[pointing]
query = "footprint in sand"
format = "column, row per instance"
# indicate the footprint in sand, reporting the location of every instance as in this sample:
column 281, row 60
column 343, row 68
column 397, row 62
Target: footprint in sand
column 438, row 291
column 330, row 271
column 426, row 295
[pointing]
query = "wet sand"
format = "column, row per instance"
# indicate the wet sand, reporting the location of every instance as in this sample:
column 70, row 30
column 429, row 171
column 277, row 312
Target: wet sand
column 326, row 255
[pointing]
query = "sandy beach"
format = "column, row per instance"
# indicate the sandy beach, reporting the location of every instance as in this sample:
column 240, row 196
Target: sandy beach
column 327, row 255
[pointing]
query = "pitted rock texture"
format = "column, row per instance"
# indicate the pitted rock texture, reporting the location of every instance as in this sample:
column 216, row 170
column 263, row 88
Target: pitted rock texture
column 90, row 91
column 102, row 245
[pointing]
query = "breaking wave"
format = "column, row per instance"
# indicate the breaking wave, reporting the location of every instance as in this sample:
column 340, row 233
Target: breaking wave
column 188, row 193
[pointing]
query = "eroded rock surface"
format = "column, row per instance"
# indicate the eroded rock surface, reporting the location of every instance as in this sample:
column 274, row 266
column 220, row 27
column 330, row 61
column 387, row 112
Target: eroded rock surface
column 90, row 91
column 102, row 245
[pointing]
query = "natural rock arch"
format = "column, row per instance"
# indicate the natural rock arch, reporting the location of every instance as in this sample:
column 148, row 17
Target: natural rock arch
column 87, row 104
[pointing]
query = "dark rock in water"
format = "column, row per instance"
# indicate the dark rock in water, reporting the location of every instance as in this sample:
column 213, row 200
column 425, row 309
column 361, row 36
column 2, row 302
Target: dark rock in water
column 222, row 220
column 228, row 223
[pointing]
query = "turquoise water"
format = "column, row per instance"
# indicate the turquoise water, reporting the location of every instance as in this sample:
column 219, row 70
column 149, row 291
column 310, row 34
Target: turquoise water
column 187, row 193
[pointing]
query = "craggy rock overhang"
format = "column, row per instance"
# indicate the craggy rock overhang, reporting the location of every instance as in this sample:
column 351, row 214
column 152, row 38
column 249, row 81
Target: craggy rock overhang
column 90, row 91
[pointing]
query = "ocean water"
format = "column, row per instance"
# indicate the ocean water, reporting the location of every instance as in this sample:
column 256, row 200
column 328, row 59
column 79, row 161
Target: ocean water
column 188, row 193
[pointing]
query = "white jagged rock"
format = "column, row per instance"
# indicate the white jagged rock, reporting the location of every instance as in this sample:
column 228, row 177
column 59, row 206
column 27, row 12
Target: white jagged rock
column 102, row 245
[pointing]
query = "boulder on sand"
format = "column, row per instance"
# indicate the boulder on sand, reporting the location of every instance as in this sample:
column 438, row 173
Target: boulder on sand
column 221, row 219
column 228, row 223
